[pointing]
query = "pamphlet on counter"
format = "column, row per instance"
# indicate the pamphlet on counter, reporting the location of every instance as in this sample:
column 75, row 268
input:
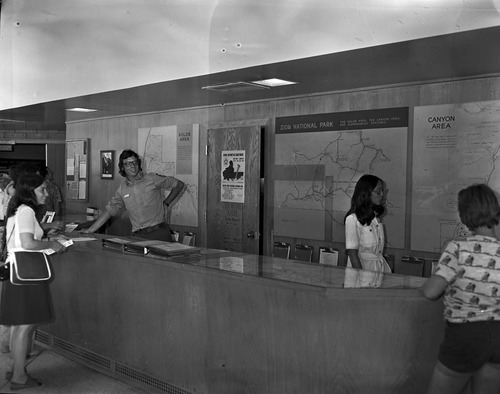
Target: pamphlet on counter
column 64, row 242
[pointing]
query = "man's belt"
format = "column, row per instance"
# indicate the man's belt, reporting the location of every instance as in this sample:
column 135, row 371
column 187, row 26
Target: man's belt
column 147, row 230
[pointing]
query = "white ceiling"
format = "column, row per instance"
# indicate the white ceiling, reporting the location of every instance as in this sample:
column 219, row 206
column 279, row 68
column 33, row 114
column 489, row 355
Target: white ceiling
column 56, row 49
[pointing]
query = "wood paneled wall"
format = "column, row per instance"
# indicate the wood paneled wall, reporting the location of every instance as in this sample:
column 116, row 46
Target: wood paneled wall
column 121, row 133
column 55, row 161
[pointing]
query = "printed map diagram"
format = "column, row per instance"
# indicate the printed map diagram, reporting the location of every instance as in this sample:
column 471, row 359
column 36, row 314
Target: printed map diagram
column 455, row 146
column 173, row 151
column 316, row 173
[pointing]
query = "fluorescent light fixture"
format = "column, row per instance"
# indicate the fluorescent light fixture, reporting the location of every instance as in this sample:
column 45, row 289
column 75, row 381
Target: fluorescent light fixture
column 12, row 121
column 252, row 85
column 235, row 87
column 81, row 109
column 274, row 82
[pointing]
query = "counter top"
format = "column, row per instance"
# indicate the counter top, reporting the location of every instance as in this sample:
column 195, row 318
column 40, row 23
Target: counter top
column 249, row 265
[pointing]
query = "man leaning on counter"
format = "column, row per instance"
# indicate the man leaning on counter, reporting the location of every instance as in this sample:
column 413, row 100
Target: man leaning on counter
column 141, row 194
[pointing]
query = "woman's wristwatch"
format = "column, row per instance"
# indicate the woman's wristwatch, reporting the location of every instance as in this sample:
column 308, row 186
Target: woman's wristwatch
column 166, row 203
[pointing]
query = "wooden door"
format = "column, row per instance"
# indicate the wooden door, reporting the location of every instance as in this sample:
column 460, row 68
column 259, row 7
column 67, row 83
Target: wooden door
column 234, row 225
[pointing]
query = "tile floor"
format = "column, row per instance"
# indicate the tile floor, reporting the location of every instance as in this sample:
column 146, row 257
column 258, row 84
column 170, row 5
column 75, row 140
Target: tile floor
column 60, row 375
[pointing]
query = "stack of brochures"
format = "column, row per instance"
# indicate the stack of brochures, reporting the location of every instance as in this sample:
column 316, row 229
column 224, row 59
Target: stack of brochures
column 171, row 249
column 148, row 247
column 140, row 247
column 117, row 243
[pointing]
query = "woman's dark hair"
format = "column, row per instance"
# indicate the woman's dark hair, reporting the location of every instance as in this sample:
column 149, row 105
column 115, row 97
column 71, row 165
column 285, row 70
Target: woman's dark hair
column 478, row 207
column 25, row 193
column 13, row 173
column 24, row 167
column 361, row 201
column 125, row 155
column 42, row 169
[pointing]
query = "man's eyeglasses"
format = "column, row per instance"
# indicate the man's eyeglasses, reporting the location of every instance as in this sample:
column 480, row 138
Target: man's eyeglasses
column 129, row 164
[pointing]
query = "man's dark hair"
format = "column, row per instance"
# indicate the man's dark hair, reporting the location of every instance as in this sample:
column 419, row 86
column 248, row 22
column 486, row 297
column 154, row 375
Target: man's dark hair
column 125, row 155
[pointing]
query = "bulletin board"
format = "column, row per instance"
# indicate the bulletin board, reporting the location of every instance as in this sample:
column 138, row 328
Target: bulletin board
column 77, row 161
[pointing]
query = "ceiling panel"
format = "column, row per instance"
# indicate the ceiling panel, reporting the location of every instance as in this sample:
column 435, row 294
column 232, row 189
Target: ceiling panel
column 452, row 56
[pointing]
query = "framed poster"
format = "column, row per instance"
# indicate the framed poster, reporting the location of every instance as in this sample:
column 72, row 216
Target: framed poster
column 107, row 164
column 233, row 176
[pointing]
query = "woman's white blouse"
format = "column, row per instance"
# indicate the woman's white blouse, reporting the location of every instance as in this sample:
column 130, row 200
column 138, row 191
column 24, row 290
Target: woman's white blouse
column 369, row 240
column 26, row 220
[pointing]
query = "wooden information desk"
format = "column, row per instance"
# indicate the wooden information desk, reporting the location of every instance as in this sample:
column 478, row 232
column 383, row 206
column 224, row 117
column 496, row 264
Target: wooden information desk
column 222, row 322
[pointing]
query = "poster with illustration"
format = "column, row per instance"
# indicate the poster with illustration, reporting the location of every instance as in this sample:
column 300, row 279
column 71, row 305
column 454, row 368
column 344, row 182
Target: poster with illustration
column 233, row 176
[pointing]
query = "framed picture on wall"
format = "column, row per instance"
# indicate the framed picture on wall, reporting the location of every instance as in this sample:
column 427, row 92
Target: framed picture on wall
column 107, row 164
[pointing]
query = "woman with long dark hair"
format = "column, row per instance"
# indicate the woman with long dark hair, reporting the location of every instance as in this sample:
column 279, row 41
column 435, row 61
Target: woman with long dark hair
column 364, row 231
column 25, row 306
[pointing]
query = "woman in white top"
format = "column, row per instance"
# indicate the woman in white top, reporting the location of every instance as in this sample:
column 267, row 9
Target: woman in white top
column 23, row 307
column 364, row 231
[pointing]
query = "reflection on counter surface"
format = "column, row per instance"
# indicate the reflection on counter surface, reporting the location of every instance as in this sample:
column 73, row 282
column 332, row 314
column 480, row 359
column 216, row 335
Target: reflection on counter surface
column 263, row 266
column 295, row 271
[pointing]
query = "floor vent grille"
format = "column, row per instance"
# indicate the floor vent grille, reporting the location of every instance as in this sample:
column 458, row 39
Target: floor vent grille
column 82, row 354
column 104, row 365
column 148, row 380
column 43, row 338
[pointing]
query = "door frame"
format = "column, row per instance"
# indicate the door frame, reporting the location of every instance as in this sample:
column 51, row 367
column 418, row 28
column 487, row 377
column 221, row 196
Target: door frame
column 266, row 212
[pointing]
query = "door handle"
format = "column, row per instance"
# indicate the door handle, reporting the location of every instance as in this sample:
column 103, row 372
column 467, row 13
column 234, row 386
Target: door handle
column 251, row 234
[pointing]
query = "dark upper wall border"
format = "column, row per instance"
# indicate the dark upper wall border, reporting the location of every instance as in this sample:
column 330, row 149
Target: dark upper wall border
column 445, row 57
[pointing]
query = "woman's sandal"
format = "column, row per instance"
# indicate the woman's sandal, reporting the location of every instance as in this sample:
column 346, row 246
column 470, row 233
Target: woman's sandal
column 30, row 382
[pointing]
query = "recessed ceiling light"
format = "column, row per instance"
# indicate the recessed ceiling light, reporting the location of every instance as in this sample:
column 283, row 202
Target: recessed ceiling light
column 274, row 82
column 81, row 110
